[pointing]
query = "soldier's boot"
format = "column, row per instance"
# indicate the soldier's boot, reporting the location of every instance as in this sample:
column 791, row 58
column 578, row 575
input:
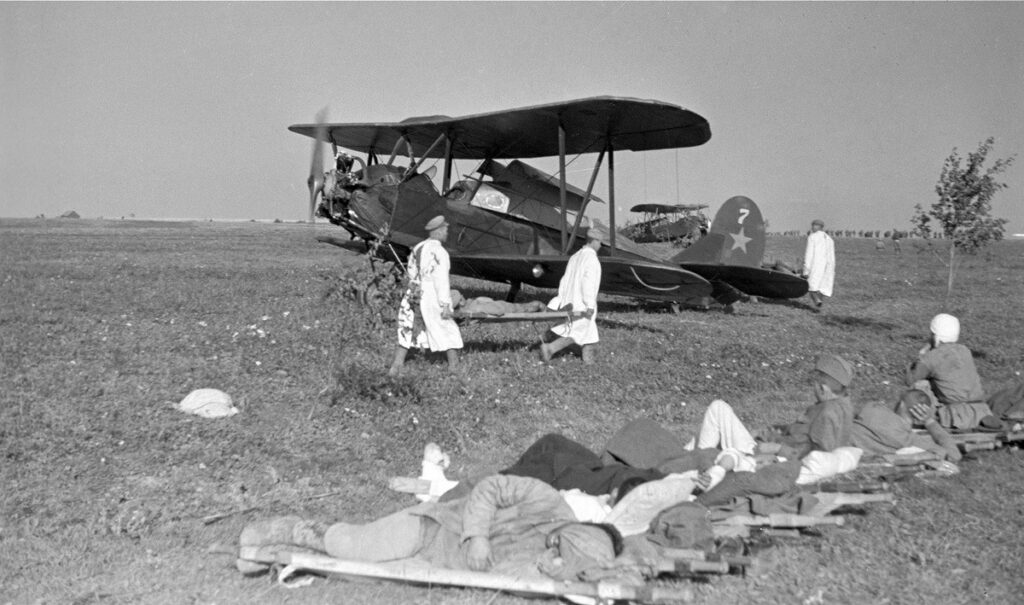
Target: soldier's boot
column 260, row 541
column 549, row 349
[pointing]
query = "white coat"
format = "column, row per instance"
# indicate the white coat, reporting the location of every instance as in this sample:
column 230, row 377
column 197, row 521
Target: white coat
column 579, row 287
column 820, row 262
column 431, row 272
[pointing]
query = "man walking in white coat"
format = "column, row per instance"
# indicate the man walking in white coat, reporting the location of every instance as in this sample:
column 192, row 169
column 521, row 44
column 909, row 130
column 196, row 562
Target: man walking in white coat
column 425, row 315
column 578, row 289
column 819, row 263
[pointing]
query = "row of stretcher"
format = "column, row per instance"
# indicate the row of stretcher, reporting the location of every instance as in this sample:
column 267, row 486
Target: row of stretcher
column 870, row 484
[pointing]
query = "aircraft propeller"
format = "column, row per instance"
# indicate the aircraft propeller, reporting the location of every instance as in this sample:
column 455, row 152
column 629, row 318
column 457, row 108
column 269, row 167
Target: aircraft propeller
column 316, row 165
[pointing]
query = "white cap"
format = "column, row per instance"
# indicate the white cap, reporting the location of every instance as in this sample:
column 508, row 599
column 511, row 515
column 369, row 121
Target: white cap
column 946, row 328
column 208, row 403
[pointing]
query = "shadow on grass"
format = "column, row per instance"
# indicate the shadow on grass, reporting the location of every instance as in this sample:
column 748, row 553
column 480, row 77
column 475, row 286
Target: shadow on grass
column 794, row 303
column 484, row 346
column 627, row 325
column 850, row 321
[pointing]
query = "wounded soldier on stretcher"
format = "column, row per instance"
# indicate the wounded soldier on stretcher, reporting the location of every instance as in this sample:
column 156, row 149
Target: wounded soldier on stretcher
column 517, row 526
column 511, row 523
column 482, row 305
column 723, row 460
column 518, row 522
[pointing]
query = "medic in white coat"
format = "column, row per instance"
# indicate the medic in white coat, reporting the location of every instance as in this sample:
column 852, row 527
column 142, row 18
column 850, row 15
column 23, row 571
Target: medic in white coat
column 819, row 263
column 578, row 288
column 429, row 298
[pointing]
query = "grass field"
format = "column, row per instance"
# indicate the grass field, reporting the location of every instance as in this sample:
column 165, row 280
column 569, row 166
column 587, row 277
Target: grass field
column 104, row 325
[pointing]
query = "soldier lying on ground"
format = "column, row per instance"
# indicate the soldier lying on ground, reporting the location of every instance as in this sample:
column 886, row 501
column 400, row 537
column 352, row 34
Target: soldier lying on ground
column 722, row 444
column 489, row 306
column 510, row 525
column 826, row 442
column 877, row 429
column 827, row 423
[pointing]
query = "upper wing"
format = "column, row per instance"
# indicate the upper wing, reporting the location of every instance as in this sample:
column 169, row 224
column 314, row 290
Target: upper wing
column 656, row 208
column 528, row 132
column 619, row 276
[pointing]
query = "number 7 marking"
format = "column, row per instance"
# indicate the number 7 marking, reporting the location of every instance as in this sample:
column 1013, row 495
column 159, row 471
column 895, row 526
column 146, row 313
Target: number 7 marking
column 743, row 215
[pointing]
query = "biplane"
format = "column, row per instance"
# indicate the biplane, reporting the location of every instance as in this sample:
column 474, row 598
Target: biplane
column 668, row 223
column 512, row 222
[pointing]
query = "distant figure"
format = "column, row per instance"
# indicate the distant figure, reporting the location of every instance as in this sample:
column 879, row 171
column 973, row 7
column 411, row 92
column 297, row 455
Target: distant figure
column 578, row 290
column 343, row 162
column 819, row 263
column 896, row 242
column 879, row 245
column 425, row 315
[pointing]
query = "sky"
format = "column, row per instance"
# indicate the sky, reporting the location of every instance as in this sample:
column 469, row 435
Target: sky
column 838, row 111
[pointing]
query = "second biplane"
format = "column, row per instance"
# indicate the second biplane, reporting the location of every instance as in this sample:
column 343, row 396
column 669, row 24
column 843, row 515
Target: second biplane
column 675, row 223
column 515, row 224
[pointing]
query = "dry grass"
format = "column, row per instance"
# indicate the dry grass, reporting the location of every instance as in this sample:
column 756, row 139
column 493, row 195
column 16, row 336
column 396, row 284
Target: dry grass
column 104, row 325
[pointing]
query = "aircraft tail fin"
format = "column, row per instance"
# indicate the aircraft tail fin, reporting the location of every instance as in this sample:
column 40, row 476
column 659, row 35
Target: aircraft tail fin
column 736, row 237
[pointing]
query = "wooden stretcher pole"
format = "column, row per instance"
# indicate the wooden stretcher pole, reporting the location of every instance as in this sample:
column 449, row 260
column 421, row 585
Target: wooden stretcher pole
column 423, row 574
column 687, row 562
column 561, row 185
column 783, row 520
column 977, row 446
column 828, row 502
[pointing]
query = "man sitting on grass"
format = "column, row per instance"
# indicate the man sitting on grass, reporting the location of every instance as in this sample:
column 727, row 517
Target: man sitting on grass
column 827, row 423
column 945, row 369
column 509, row 525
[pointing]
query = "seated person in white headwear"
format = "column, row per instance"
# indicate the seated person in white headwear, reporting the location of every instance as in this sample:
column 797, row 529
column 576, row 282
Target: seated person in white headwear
column 945, row 369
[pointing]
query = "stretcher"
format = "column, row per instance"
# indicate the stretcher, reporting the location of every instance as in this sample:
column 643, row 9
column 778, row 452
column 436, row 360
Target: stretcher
column 603, row 591
column 511, row 317
column 888, row 469
column 971, row 442
column 790, row 524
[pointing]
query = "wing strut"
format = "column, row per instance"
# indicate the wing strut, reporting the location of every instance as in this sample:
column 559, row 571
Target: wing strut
column 414, row 164
column 446, row 181
column 611, row 194
column 561, row 182
column 408, row 147
column 586, row 199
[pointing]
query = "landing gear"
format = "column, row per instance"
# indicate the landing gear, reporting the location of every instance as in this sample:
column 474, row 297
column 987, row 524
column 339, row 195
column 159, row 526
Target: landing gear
column 513, row 291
